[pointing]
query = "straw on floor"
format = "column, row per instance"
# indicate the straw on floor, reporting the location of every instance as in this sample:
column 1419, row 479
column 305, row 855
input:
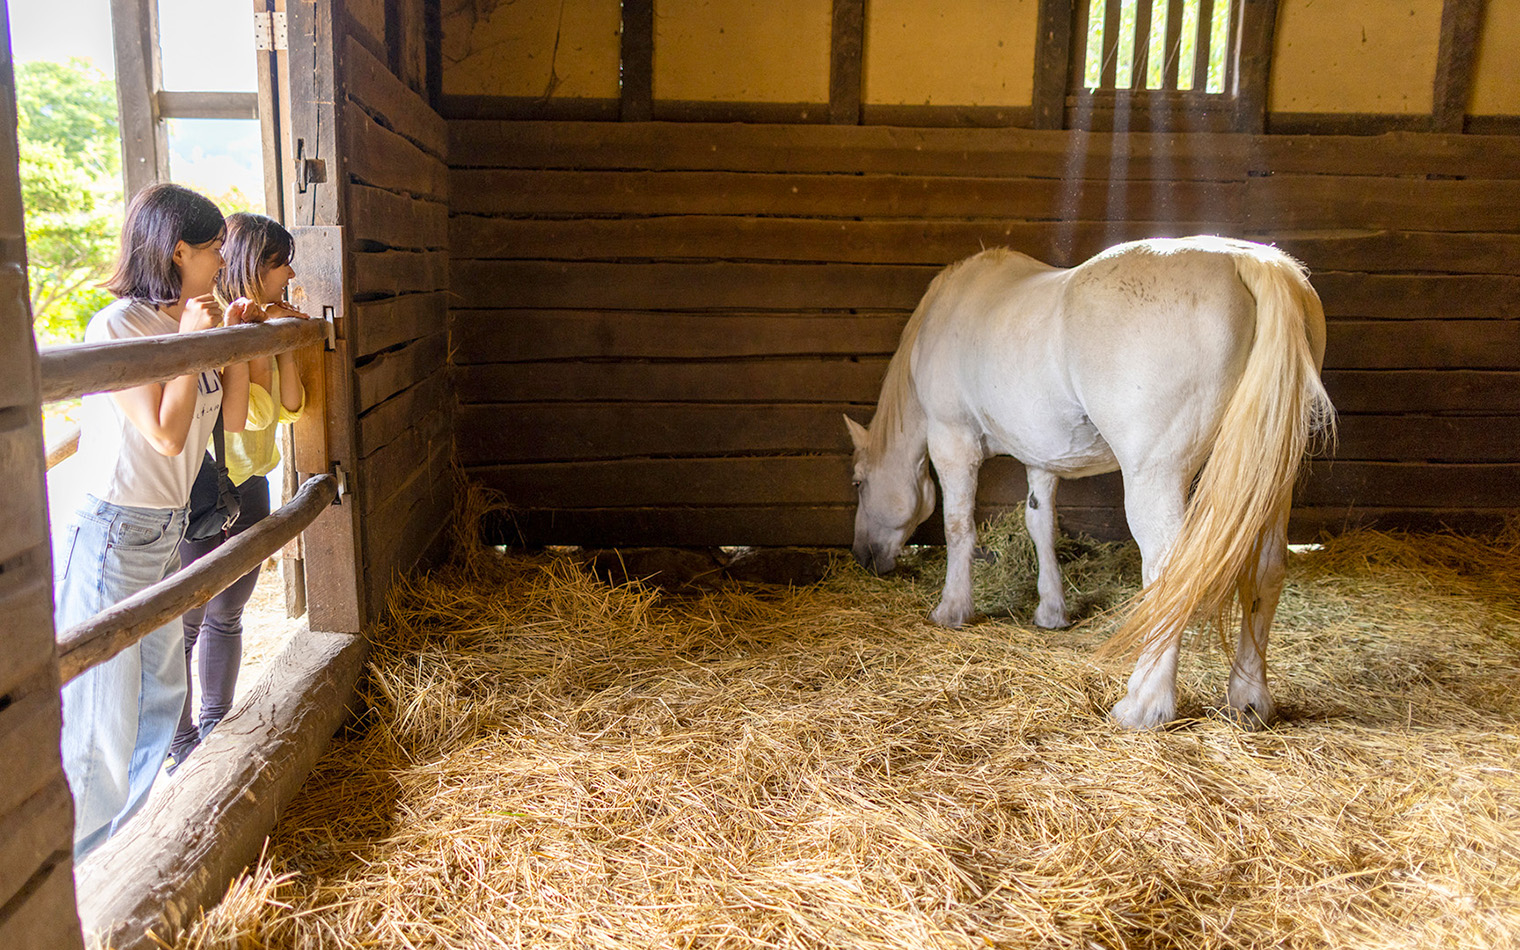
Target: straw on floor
column 550, row 761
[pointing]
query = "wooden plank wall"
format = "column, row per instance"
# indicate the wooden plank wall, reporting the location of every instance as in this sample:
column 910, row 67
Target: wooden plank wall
column 36, row 811
column 397, row 236
column 658, row 326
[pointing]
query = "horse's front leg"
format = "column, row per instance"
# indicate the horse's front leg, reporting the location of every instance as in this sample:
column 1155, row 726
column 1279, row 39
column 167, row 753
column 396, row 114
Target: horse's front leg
column 1040, row 519
column 957, row 459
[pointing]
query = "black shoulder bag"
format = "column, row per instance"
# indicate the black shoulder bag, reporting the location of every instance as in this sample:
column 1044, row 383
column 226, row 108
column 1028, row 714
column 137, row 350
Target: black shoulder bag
column 214, row 502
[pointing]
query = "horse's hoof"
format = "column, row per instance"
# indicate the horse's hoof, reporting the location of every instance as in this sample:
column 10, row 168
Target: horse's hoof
column 1051, row 619
column 951, row 617
column 1252, row 717
column 1142, row 717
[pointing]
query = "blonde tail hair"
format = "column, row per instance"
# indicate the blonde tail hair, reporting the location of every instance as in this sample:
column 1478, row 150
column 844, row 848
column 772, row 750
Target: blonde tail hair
column 1247, row 483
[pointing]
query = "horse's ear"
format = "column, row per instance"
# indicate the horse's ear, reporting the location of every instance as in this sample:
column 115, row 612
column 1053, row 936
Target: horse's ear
column 858, row 433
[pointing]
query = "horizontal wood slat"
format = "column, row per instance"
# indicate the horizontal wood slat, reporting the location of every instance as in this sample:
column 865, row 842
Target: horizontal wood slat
column 852, row 149
column 372, row 85
column 689, row 286
column 392, row 273
column 382, row 424
column 1455, row 390
column 720, row 285
column 875, row 196
column 921, row 241
column 380, row 157
column 488, row 336
column 1294, row 202
column 380, row 219
column 396, row 370
column 390, row 321
column 759, row 381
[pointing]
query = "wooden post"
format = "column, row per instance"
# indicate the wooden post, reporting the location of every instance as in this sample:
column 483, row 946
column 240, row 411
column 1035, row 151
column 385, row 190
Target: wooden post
column 1461, row 20
column 36, row 814
column 1052, row 65
column 1256, row 33
column 638, row 61
column 210, row 820
column 144, row 142
column 325, row 437
column 845, row 61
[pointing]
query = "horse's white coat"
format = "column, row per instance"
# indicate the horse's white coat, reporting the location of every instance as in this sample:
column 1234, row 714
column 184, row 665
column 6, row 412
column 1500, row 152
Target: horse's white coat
column 1127, row 361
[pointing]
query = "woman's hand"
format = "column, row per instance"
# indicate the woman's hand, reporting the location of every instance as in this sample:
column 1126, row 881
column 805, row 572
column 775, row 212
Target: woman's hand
column 200, row 313
column 282, row 309
column 243, row 310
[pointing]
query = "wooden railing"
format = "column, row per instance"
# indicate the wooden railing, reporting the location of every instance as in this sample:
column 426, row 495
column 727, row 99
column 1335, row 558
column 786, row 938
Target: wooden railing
column 85, row 368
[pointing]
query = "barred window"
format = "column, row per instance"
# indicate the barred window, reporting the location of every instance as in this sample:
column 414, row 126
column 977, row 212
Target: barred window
column 1165, row 45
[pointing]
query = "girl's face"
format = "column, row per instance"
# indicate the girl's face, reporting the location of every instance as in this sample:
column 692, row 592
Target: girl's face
column 198, row 265
column 272, row 282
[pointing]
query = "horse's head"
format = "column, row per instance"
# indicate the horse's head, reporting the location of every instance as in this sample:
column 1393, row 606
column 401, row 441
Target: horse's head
column 894, row 493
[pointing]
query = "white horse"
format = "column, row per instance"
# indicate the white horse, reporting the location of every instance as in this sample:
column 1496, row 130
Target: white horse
column 1158, row 358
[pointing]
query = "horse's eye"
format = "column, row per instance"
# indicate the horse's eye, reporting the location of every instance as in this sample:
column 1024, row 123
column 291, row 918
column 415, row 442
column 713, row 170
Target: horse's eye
column 857, row 483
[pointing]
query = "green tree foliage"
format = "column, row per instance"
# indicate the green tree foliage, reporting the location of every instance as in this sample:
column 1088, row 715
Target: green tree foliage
column 71, row 187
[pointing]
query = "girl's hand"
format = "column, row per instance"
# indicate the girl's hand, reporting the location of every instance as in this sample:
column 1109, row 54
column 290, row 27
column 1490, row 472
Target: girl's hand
column 200, row 313
column 243, row 310
column 282, row 309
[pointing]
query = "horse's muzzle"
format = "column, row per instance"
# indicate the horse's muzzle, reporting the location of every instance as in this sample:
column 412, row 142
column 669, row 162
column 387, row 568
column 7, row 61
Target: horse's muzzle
column 872, row 561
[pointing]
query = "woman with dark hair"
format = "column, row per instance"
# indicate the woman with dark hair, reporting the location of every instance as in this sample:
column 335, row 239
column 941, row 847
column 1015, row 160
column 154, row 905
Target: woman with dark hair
column 119, row 716
column 258, row 252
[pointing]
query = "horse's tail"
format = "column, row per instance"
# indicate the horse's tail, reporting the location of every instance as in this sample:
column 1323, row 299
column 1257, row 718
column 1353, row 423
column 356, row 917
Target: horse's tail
column 1247, row 483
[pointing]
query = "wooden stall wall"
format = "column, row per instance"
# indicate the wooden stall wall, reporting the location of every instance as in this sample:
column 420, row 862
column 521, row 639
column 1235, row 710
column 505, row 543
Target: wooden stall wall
column 658, row 324
column 36, row 812
column 396, row 218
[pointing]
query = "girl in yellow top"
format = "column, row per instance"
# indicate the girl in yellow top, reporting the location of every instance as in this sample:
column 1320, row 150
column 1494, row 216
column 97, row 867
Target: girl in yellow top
column 258, row 253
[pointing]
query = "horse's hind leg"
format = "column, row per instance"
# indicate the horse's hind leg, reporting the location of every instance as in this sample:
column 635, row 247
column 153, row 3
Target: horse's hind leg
column 1259, row 588
column 1153, row 506
column 1040, row 518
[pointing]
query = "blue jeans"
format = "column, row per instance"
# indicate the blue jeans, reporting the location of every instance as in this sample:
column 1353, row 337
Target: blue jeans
column 118, row 717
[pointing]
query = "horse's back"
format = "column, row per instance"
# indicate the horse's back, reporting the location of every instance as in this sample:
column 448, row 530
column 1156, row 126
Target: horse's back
column 1158, row 333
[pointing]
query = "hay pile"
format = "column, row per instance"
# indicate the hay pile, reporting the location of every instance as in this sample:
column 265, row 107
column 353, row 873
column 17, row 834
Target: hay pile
column 552, row 761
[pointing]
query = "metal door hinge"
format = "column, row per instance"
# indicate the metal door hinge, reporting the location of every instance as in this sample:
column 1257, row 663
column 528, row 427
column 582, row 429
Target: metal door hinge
column 269, row 32
column 342, row 477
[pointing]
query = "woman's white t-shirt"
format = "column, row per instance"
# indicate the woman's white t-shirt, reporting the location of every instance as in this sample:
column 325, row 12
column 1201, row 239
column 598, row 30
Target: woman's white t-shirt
column 119, row 465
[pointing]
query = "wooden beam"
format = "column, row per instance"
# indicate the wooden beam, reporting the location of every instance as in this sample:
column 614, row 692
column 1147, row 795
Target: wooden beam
column 144, row 142
column 1461, row 22
column 845, row 61
column 116, row 628
column 1256, row 32
column 638, row 61
column 210, row 820
column 207, row 105
column 79, row 369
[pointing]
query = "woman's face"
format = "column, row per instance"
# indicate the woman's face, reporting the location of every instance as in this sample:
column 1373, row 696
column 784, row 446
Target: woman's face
column 198, row 266
column 273, row 280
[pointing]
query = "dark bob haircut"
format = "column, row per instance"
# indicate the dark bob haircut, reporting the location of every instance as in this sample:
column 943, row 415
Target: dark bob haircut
column 159, row 217
column 253, row 244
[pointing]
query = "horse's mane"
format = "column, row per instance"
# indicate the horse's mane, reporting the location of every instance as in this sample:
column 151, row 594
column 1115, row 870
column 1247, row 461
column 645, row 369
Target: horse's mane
column 897, row 394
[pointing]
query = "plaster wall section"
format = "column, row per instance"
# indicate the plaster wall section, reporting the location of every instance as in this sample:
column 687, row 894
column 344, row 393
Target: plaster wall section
column 951, row 52
column 1355, row 56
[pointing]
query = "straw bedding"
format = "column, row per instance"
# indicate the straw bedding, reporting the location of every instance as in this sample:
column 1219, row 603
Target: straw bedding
column 548, row 760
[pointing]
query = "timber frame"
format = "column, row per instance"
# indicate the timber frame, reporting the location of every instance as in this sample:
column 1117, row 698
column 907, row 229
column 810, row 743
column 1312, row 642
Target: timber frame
column 1058, row 103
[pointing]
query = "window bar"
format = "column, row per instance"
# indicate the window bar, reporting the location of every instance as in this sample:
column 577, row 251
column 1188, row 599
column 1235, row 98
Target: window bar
column 1142, row 57
column 1173, row 54
column 1111, row 31
column 1201, row 45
